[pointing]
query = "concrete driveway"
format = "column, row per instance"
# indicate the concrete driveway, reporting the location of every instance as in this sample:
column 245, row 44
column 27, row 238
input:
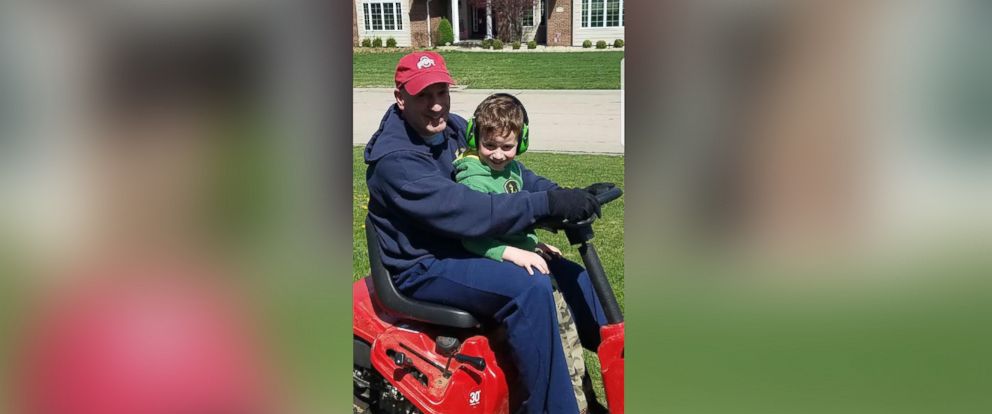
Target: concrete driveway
column 560, row 120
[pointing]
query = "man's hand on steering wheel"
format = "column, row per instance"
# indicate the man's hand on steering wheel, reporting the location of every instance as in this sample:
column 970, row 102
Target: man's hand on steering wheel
column 572, row 204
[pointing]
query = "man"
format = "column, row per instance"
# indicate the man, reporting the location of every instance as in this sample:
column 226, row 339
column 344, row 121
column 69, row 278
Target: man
column 421, row 215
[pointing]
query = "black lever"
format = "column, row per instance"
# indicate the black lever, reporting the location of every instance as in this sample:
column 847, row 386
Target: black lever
column 476, row 362
column 417, row 354
column 447, row 346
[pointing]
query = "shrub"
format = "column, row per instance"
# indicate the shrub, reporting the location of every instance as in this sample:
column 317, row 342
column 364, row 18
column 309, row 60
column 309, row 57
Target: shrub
column 587, row 44
column 445, row 34
column 618, row 43
column 390, row 42
column 377, row 42
column 532, row 45
column 516, row 45
column 487, row 44
column 601, row 44
column 366, row 42
column 497, row 44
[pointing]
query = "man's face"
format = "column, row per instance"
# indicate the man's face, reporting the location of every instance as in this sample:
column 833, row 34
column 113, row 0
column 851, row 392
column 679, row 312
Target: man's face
column 427, row 111
column 497, row 148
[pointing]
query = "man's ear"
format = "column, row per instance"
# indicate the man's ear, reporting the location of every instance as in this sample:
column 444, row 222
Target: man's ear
column 400, row 100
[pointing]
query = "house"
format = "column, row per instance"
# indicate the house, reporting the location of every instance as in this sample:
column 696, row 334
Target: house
column 552, row 23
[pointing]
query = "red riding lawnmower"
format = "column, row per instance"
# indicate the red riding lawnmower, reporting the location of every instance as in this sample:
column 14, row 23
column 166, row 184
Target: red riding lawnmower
column 418, row 357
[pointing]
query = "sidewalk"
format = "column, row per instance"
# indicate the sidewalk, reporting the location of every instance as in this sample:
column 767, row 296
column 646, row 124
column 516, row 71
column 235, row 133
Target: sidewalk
column 560, row 120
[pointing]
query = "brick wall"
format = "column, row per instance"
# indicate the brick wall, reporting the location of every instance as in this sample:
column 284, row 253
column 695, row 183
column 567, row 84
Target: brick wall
column 418, row 20
column 559, row 23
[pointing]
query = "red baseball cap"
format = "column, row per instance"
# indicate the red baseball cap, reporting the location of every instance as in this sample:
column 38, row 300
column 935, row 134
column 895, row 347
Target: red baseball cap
column 417, row 70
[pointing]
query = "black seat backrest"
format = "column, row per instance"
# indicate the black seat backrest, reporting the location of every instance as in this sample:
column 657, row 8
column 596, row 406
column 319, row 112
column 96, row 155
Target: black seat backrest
column 401, row 306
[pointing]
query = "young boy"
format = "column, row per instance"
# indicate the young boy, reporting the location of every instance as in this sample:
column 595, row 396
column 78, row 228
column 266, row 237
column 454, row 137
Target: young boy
column 497, row 133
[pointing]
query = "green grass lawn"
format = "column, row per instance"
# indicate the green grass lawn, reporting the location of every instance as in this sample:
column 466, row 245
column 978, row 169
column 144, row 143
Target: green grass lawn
column 567, row 170
column 497, row 70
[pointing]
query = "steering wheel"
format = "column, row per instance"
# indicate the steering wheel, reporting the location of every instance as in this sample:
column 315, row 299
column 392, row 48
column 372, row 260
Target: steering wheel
column 604, row 193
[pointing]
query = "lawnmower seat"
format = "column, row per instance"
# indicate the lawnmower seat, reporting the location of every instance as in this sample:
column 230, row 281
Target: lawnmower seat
column 401, row 306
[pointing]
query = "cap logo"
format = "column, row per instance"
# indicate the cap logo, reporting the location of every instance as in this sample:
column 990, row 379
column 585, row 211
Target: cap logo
column 425, row 62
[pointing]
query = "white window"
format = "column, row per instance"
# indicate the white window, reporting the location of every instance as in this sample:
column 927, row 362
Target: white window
column 528, row 17
column 380, row 15
column 596, row 14
column 612, row 13
column 602, row 13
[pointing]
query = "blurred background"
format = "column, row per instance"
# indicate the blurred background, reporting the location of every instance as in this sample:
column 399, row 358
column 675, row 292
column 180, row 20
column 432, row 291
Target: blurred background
column 818, row 127
column 808, row 206
column 164, row 240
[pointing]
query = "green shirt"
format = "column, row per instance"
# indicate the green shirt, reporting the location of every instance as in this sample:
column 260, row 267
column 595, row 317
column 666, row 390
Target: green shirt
column 471, row 171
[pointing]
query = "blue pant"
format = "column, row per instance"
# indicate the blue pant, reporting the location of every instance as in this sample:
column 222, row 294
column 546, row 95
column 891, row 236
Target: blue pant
column 503, row 293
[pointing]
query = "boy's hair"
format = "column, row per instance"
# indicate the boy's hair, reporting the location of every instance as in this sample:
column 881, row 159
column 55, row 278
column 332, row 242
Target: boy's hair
column 499, row 112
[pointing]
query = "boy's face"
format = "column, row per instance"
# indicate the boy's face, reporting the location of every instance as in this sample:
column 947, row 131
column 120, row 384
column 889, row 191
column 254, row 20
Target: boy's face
column 497, row 148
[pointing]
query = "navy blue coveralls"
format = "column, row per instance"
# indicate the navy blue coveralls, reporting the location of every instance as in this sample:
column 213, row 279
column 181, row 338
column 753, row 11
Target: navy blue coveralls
column 421, row 215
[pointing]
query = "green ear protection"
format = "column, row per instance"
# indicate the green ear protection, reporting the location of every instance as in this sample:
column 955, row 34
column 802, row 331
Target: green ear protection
column 472, row 129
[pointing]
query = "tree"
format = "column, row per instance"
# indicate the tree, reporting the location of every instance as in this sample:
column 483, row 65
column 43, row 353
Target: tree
column 507, row 16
